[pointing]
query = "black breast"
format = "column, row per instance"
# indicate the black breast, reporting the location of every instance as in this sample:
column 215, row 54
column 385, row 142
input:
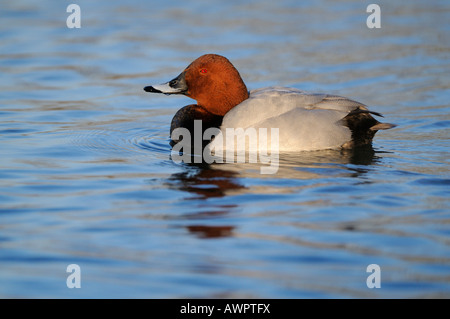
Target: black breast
column 186, row 116
column 363, row 127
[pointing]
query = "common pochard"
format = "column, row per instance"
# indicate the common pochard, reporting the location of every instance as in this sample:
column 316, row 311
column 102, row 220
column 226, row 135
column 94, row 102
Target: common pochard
column 306, row 121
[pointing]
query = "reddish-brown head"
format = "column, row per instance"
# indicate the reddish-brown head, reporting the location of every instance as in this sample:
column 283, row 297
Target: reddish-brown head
column 212, row 81
column 215, row 84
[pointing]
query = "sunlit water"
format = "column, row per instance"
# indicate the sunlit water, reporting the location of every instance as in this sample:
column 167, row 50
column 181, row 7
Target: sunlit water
column 86, row 175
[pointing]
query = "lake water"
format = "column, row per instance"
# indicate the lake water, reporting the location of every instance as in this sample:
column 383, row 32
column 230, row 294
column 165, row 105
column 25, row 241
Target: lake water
column 86, row 175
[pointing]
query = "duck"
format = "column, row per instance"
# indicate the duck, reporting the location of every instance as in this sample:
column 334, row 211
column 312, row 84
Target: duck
column 304, row 121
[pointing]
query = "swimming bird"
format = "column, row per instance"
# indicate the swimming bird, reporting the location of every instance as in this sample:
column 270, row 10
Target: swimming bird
column 305, row 121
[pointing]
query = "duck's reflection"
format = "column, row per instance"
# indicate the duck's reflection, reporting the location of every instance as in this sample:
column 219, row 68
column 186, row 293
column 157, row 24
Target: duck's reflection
column 204, row 231
column 205, row 181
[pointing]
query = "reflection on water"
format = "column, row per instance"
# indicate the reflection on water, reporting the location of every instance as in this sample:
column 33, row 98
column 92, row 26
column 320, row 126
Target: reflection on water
column 218, row 180
column 205, row 182
column 204, row 231
column 86, row 174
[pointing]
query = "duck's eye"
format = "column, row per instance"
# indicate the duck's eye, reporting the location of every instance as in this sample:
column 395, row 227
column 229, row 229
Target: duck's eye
column 204, row 71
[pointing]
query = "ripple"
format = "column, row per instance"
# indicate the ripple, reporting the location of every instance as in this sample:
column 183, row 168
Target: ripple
column 151, row 143
column 437, row 125
column 433, row 181
column 126, row 139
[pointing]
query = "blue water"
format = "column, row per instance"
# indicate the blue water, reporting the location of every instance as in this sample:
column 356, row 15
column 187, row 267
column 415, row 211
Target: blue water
column 86, row 175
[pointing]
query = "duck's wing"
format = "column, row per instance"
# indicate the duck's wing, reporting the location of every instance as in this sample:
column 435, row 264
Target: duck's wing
column 310, row 114
column 309, row 100
column 271, row 102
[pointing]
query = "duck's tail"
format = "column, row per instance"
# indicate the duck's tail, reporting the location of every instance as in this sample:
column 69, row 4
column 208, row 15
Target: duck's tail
column 363, row 127
column 382, row 126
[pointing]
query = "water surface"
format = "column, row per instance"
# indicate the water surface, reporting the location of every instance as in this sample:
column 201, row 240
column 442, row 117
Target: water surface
column 86, row 175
